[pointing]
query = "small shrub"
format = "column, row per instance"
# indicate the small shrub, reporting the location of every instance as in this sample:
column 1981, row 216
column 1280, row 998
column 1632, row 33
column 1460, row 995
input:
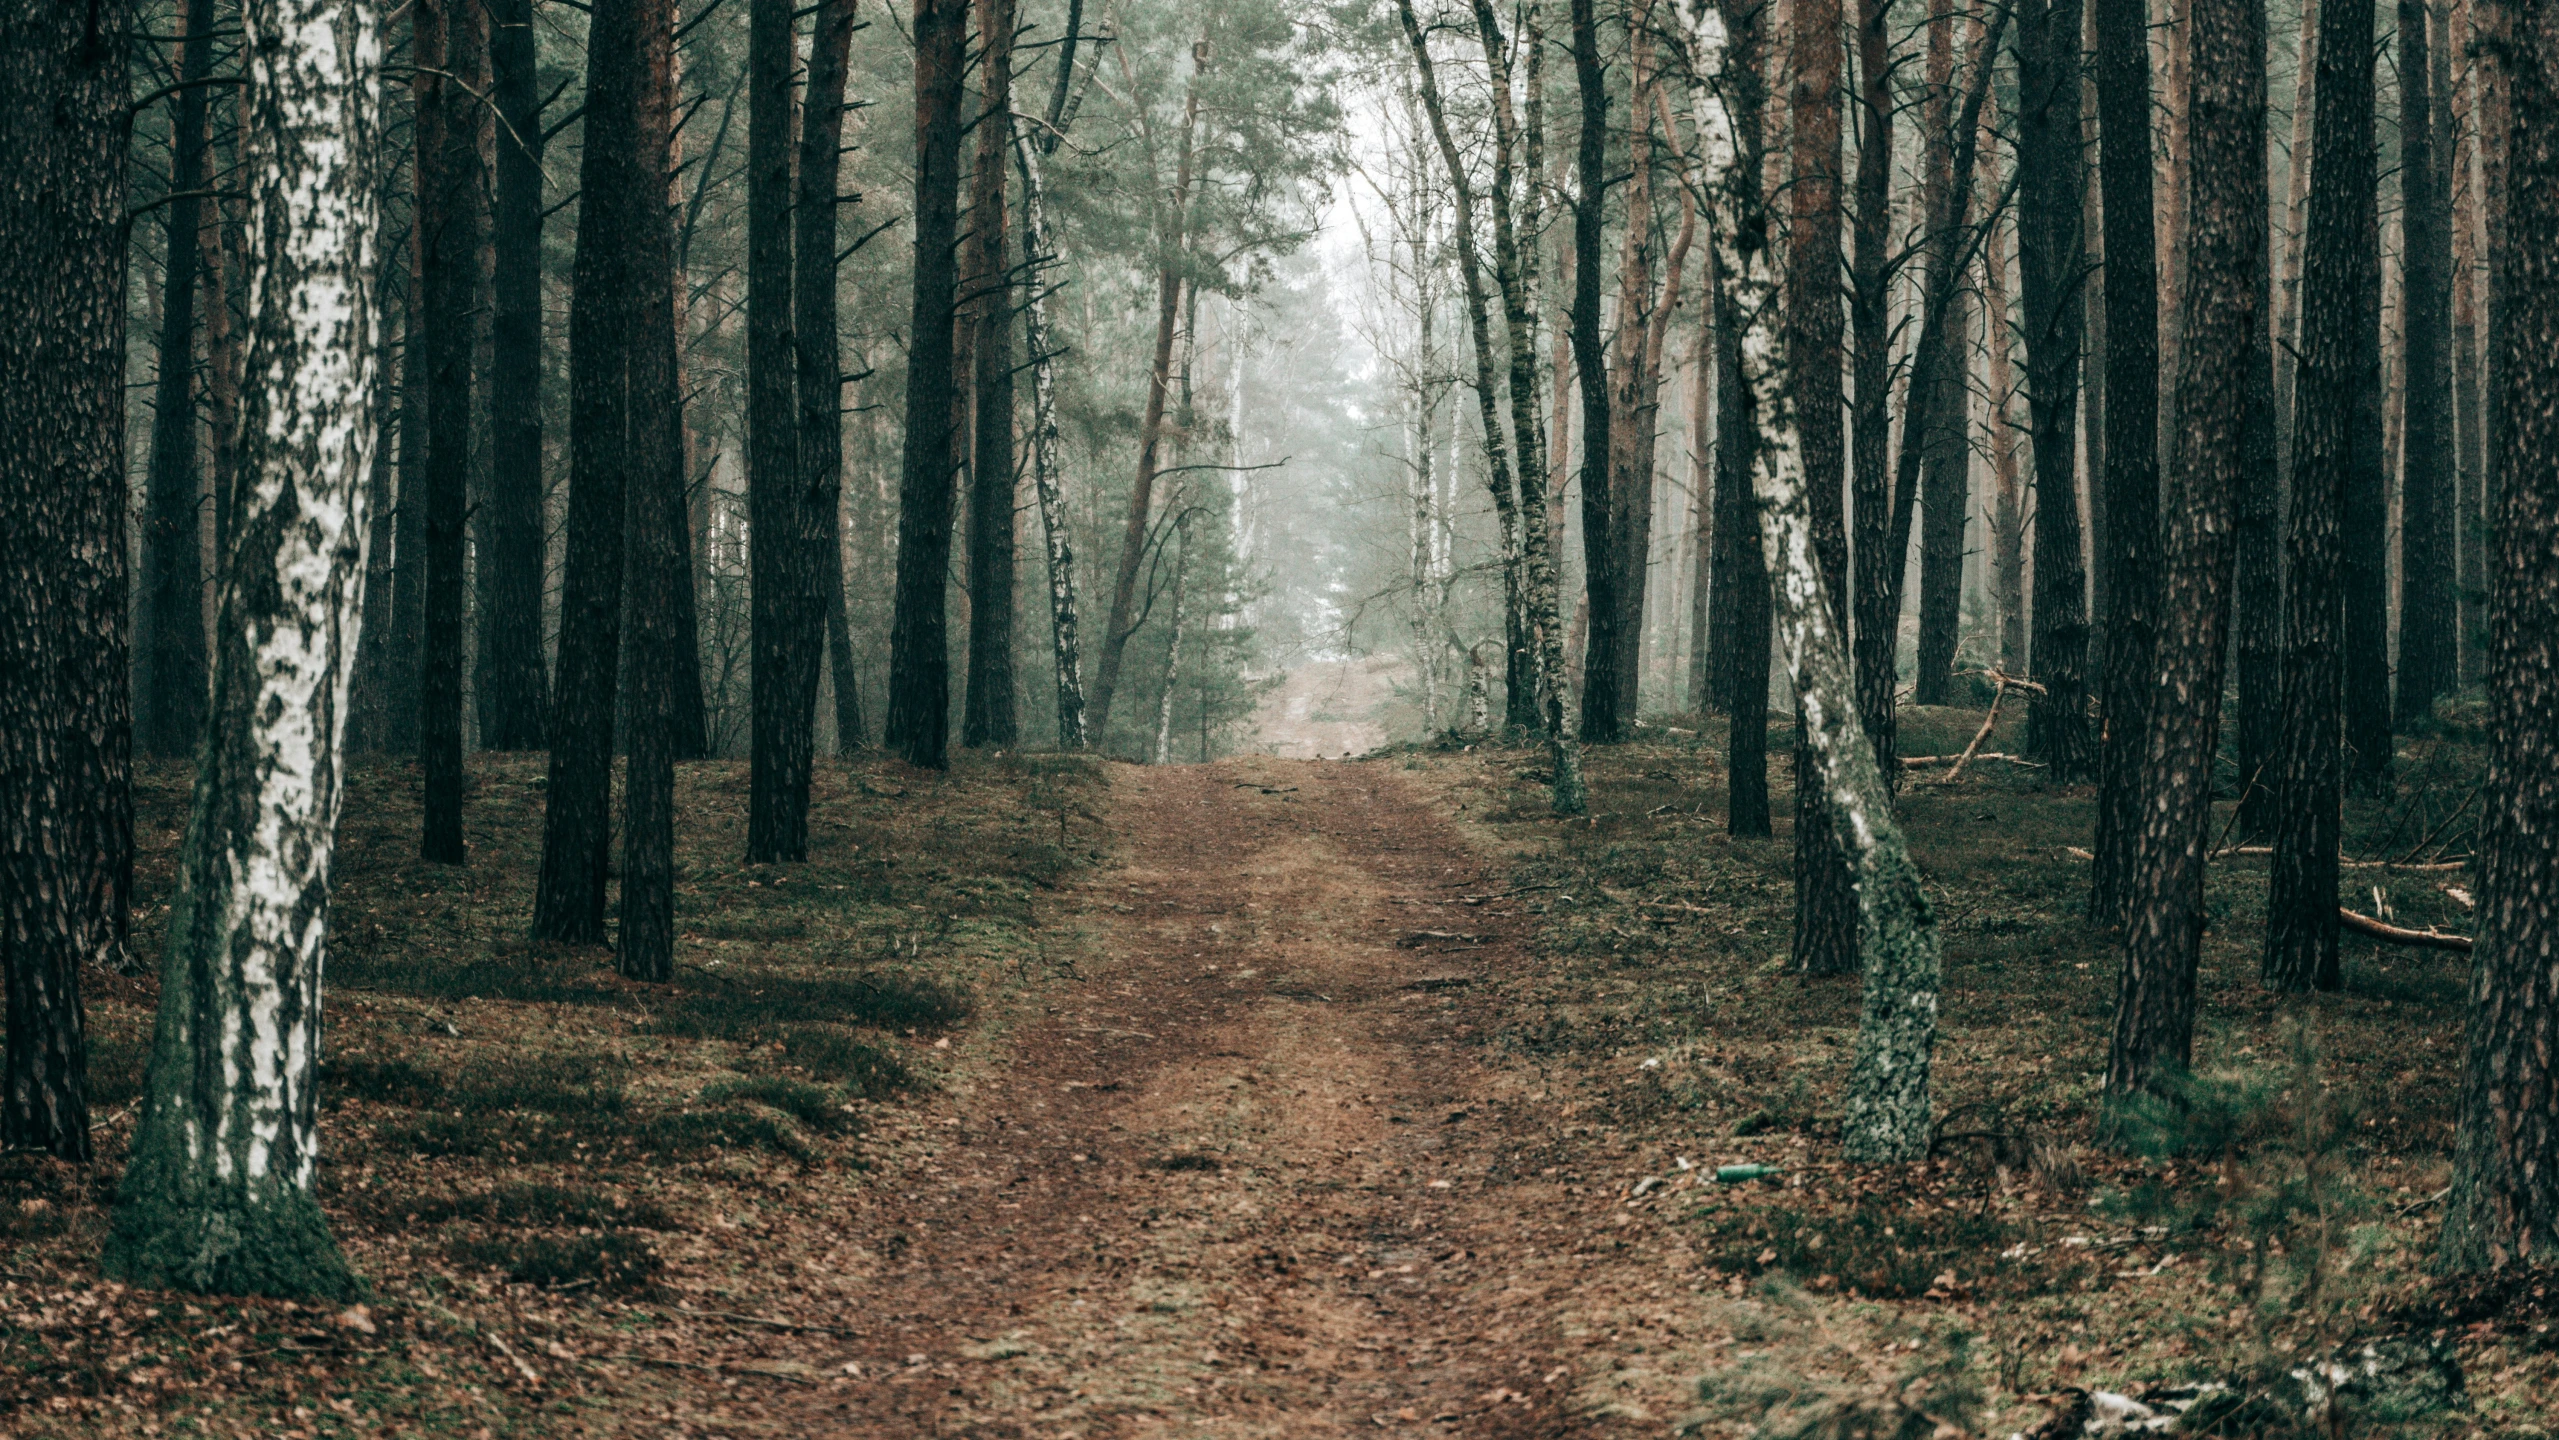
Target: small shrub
column 1883, row 1250
column 549, row 1082
column 536, row 1206
column 615, row 1262
column 820, row 1110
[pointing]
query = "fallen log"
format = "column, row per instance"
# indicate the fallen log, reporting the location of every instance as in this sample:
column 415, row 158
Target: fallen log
column 2383, row 930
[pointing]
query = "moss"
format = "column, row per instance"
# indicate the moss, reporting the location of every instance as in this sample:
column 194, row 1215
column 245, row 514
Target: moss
column 175, row 1229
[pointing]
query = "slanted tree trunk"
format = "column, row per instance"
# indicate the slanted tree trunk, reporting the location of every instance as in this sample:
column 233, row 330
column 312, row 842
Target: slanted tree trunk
column 2052, row 257
column 1897, row 940
column 66, row 724
column 450, row 124
column 786, row 617
column 1040, row 252
column 816, row 353
column 919, row 710
column 2504, row 1207
column 2428, row 654
column 2308, row 779
column 988, row 713
column 170, row 679
column 2224, row 241
column 218, row 1193
column 577, row 818
column 653, row 506
column 1825, row 902
column 511, row 688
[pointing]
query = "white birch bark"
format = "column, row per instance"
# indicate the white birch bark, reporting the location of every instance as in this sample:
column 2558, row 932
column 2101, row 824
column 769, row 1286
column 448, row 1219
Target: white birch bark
column 218, row 1193
column 1888, row 1109
column 1039, row 253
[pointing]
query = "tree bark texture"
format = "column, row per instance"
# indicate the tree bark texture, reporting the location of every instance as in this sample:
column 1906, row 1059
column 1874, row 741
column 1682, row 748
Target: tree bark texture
column 66, row 724
column 2428, row 650
column 816, row 352
column 577, row 818
column 988, row 715
column 169, row 681
column 1874, row 598
column 1603, row 722
column 2308, row 779
column 2367, row 531
column 2257, row 599
column 2504, row 1206
column 1945, row 488
column 2053, row 260
column 919, row 707
column 1741, row 568
column 218, row 1191
column 512, row 689
column 451, row 193
column 2224, row 241
column 1065, row 620
column 405, row 649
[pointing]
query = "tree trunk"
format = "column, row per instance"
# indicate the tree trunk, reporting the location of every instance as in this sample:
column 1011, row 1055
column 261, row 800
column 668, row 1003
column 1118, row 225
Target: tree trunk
column 368, row 721
column 1706, row 690
column 1741, row 573
column 2258, row 597
column 2288, row 294
column 2470, row 521
column 577, row 818
column 1602, row 720
column 1825, row 900
column 2225, row 242
column 449, row 125
column 786, row 618
column 1873, row 597
column 169, row 686
column 919, row 711
column 988, row 716
column 1897, row 938
column 218, row 1192
column 2504, row 1206
column 2428, row 657
column 405, row 650
column 2301, row 897
column 511, row 690
column 1040, row 252
column 2008, row 515
column 1945, row 487
column 2051, row 255
column 66, row 725
column 2367, row 532
column 817, row 357
column 1163, row 748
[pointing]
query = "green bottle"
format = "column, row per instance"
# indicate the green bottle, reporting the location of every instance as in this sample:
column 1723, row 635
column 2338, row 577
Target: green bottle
column 1735, row 1174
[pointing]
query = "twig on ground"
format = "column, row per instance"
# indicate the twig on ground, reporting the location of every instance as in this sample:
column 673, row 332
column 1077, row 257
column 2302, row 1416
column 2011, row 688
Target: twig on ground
column 2396, row 935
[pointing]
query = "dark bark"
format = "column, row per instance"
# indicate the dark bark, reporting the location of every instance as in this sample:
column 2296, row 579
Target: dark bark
column 786, row 606
column 66, row 727
column 2428, row 656
column 367, row 719
column 1602, row 722
column 2127, row 171
column 919, row 707
column 1874, row 598
column 2258, row 597
column 511, row 689
column 577, row 819
column 2367, row 532
column 815, row 323
column 1945, row 488
column 2225, row 240
column 404, row 651
column 653, row 500
column 1825, row 900
column 2051, row 255
column 988, row 715
column 451, row 193
column 2336, row 275
column 2504, row 1206
column 168, row 687
column 1741, row 568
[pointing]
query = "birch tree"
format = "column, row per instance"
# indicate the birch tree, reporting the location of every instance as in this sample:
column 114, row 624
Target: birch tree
column 218, row 1195
column 1897, row 939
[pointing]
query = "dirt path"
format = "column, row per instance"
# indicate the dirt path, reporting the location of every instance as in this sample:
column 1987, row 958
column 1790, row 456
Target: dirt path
column 1249, row 1174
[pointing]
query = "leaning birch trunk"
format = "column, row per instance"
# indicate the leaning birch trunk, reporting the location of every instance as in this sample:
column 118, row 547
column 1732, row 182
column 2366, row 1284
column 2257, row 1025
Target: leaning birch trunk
column 1039, row 253
column 1173, row 656
column 1897, row 930
column 218, row 1195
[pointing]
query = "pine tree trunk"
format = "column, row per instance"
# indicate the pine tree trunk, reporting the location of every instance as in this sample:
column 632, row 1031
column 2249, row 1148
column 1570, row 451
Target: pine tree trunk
column 658, row 574
column 988, row 715
column 786, row 618
column 2470, row 523
column 1602, row 722
column 2288, row 295
column 1163, row 748
column 2258, row 595
column 449, row 125
column 66, row 726
column 368, row 721
column 817, row 356
column 2225, row 242
column 2428, row 657
column 1705, row 688
column 1945, row 488
column 577, row 818
column 1897, row 940
column 2049, row 149
column 512, row 691
column 1825, row 902
column 2008, row 517
column 2301, row 897
column 218, row 1192
column 2367, row 532
column 1740, row 566
column 1873, row 598
column 169, row 682
column 919, row 706
column 1040, row 252
column 2504, row 1207
column 405, row 651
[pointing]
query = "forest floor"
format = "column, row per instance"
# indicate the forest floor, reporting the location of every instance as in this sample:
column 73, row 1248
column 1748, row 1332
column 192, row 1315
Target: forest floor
column 1284, row 1098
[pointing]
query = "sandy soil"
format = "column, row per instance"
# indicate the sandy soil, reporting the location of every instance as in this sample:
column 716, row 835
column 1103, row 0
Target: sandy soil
column 1251, row 1175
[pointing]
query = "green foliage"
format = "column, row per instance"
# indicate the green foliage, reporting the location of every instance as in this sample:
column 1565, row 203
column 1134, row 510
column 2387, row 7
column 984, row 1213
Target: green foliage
column 819, row 1110
column 613, row 1262
column 869, row 1071
column 1888, row 1249
column 1855, row 1377
column 751, row 1010
column 534, row 1206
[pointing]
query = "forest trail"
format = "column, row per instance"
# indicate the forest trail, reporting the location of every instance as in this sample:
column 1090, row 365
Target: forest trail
column 1250, row 1174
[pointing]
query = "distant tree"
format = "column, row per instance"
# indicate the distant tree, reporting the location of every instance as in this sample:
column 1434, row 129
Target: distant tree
column 988, row 711
column 218, row 1193
column 2428, row 647
column 1741, row 569
column 451, row 46
column 1039, row 255
column 2503, row 1211
column 66, row 726
column 816, row 353
column 511, row 687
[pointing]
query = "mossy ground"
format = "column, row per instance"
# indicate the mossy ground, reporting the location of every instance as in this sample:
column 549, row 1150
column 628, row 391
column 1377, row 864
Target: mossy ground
column 522, row 1149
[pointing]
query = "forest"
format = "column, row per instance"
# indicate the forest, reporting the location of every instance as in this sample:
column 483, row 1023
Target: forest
column 1795, row 719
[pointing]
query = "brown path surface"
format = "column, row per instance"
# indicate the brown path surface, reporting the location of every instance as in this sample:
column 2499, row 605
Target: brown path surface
column 1249, row 1175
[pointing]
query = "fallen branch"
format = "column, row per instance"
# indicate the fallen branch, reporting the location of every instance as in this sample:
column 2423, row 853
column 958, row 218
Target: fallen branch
column 1988, row 723
column 1914, row 761
column 2383, row 930
column 790, row 1325
column 1422, row 937
column 713, row 1369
